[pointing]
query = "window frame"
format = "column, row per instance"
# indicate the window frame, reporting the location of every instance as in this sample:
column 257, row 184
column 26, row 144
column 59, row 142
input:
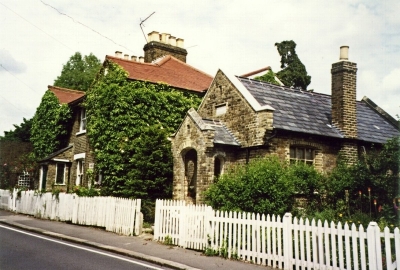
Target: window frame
column 57, row 173
column 82, row 121
column 80, row 171
column 297, row 151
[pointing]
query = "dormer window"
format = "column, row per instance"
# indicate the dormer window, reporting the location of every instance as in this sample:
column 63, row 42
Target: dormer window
column 82, row 124
column 220, row 109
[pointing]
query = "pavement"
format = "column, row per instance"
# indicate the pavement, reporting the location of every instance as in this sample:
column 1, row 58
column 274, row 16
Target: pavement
column 140, row 247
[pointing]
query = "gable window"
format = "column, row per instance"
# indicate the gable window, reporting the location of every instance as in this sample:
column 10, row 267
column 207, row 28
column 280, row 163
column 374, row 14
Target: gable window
column 60, row 173
column 82, row 122
column 220, row 109
column 301, row 154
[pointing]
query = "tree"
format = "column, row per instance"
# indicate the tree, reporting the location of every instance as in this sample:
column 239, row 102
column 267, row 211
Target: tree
column 268, row 77
column 79, row 72
column 48, row 132
column 128, row 126
column 21, row 133
column 293, row 73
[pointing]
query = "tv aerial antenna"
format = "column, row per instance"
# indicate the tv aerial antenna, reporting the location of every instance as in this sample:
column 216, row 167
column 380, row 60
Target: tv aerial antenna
column 141, row 24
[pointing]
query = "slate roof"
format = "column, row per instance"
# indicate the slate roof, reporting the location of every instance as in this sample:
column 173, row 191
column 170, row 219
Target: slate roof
column 65, row 95
column 52, row 155
column 168, row 70
column 222, row 134
column 309, row 112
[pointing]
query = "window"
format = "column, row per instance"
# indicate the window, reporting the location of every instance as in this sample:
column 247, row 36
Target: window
column 220, row 109
column 79, row 172
column 218, row 166
column 301, row 154
column 82, row 125
column 24, row 180
column 60, row 173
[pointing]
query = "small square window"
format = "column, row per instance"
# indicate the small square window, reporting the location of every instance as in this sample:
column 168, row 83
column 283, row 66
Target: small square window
column 220, row 109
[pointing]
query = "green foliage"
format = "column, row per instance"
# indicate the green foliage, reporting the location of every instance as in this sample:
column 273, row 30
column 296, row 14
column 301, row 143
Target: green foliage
column 262, row 186
column 48, row 132
column 365, row 191
column 293, row 71
column 86, row 192
column 268, row 77
column 79, row 72
column 128, row 126
column 168, row 241
column 21, row 133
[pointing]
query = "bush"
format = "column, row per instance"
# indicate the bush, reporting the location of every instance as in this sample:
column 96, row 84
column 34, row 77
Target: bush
column 262, row 186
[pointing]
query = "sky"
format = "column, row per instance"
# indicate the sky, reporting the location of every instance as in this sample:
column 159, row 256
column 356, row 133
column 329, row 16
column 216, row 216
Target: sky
column 37, row 37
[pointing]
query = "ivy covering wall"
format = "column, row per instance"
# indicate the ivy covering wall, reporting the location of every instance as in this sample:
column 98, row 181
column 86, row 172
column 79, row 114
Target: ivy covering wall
column 128, row 127
column 49, row 126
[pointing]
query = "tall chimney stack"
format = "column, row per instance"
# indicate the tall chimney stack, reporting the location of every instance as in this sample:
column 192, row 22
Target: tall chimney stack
column 344, row 110
column 163, row 44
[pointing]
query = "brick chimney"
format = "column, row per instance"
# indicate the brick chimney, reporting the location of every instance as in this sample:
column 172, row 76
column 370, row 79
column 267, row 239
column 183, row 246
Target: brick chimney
column 344, row 111
column 159, row 45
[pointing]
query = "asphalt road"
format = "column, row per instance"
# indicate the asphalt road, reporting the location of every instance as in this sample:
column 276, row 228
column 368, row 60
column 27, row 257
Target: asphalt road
column 25, row 250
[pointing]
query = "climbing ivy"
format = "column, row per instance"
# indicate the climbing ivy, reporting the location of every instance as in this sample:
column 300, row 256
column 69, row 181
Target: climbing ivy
column 128, row 126
column 48, row 132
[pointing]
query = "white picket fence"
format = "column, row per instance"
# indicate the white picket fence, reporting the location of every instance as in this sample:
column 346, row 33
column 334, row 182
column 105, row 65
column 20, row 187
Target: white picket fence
column 285, row 243
column 117, row 215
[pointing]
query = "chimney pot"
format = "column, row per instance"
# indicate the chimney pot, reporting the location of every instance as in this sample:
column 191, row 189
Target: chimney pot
column 164, row 37
column 118, row 54
column 179, row 42
column 344, row 53
column 133, row 58
column 126, row 56
column 141, row 59
column 172, row 40
column 153, row 36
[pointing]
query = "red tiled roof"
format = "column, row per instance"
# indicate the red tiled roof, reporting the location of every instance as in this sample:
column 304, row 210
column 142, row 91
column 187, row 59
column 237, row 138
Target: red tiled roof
column 168, row 70
column 66, row 95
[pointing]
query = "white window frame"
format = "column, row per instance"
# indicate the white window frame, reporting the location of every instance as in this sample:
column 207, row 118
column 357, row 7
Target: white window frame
column 303, row 159
column 221, row 109
column 82, row 121
column 65, row 171
column 80, row 171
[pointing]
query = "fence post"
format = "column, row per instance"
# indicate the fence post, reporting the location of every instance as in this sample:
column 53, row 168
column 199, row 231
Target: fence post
column 374, row 246
column 287, row 241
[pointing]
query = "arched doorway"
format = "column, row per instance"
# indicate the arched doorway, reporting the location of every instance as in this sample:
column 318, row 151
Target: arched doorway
column 190, row 160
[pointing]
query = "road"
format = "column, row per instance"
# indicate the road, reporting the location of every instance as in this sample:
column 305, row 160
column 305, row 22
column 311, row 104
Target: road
column 25, row 250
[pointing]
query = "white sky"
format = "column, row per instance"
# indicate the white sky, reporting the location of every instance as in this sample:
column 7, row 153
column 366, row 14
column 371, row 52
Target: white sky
column 235, row 36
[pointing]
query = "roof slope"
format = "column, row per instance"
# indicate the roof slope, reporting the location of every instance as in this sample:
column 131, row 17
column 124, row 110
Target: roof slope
column 65, row 95
column 309, row 112
column 168, row 70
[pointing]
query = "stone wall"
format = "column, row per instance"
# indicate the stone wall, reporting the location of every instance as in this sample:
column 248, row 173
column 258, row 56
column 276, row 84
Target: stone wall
column 154, row 50
column 248, row 126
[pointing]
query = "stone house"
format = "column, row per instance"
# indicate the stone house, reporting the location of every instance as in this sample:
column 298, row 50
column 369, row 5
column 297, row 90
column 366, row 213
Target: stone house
column 240, row 119
column 164, row 61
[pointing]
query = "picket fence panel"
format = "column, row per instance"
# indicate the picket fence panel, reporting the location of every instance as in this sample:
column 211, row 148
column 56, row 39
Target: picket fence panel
column 118, row 215
column 284, row 243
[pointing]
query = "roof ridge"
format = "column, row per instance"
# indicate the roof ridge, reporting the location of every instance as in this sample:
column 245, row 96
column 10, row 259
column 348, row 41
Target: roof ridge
column 65, row 89
column 282, row 87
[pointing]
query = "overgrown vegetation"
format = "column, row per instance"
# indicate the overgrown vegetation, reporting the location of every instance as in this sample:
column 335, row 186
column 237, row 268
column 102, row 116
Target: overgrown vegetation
column 359, row 193
column 21, row 133
column 49, row 132
column 128, row 126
